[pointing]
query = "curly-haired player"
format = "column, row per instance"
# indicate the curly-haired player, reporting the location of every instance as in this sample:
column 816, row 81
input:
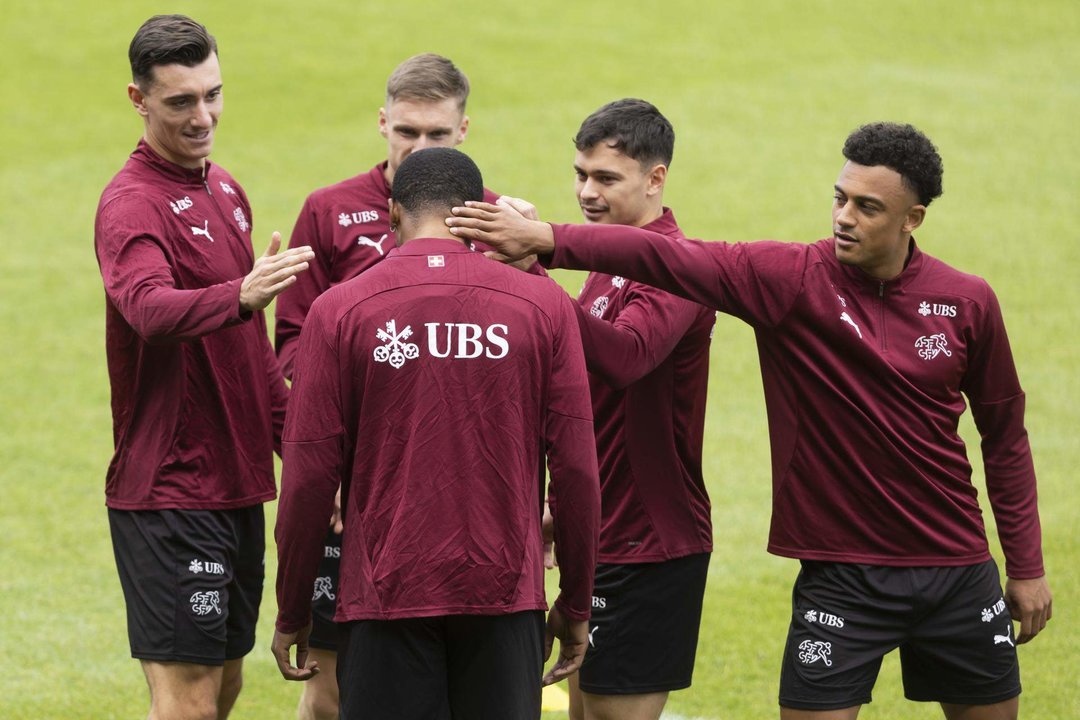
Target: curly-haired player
column 869, row 348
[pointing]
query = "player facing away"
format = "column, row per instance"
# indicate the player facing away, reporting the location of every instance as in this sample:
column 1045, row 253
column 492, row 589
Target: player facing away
column 647, row 352
column 198, row 399
column 402, row 378
column 348, row 226
column 868, row 347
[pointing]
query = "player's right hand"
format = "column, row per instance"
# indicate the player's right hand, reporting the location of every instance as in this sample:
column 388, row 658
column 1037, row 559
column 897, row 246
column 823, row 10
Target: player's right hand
column 272, row 273
column 502, row 227
column 573, row 642
column 281, row 646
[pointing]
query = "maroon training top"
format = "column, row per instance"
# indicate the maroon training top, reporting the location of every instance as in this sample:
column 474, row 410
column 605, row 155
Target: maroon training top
column 864, row 386
column 348, row 226
column 426, row 387
column 648, row 356
column 198, row 399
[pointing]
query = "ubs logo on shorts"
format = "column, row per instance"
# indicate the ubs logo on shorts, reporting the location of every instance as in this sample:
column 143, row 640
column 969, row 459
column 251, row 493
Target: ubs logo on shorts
column 824, row 618
column 205, row 566
column 204, row 603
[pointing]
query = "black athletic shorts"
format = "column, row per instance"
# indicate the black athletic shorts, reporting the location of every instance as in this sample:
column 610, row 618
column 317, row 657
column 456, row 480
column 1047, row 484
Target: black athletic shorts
column 324, row 631
column 644, row 629
column 480, row 667
column 951, row 625
column 192, row 581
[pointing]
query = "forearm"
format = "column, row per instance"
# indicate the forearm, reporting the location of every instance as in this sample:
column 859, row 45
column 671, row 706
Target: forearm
column 161, row 314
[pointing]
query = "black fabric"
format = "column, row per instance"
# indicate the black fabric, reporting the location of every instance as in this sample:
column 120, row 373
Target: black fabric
column 192, row 581
column 643, row 633
column 456, row 667
column 950, row 623
column 324, row 631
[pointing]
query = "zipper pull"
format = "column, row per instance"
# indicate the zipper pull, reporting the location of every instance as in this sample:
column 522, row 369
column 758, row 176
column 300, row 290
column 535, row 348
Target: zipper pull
column 881, row 290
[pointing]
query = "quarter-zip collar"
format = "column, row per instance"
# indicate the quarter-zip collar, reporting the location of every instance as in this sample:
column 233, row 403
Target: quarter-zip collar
column 916, row 260
column 194, row 176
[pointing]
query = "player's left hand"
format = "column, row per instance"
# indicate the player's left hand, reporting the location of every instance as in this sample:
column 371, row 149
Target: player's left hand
column 1030, row 604
column 573, row 642
column 282, row 644
column 335, row 517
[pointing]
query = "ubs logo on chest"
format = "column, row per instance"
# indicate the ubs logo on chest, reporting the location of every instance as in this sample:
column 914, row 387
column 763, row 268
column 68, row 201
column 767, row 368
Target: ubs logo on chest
column 926, row 309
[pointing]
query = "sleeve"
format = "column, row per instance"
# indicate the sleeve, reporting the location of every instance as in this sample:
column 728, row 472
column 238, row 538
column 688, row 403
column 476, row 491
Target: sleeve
column 641, row 337
column 279, row 392
column 757, row 282
column 140, row 282
column 997, row 406
column 312, row 455
column 575, row 480
column 292, row 306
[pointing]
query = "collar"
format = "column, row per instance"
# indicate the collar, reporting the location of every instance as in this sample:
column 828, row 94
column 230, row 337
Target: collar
column 915, row 263
column 665, row 224
column 146, row 155
column 429, row 246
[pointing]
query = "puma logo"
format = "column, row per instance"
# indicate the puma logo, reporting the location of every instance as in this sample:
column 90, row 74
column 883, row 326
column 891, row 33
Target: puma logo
column 998, row 639
column 847, row 318
column 365, row 240
column 204, row 230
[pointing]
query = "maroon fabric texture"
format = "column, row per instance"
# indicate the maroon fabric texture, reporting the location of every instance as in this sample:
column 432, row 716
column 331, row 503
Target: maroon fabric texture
column 648, row 357
column 865, row 382
column 428, row 387
column 198, row 398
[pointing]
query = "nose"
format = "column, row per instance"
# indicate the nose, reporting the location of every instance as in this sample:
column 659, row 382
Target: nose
column 588, row 189
column 844, row 217
column 202, row 117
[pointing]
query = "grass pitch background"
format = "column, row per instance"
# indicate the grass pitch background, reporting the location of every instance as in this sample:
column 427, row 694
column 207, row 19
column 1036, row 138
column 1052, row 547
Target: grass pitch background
column 761, row 93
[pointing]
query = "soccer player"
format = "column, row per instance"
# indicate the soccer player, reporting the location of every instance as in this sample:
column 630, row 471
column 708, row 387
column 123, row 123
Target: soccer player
column 868, row 347
column 402, row 378
column 647, row 352
column 198, row 398
column 348, row 225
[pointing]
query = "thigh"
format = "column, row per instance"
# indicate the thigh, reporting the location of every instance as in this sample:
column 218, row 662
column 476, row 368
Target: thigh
column 324, row 595
column 245, row 592
column 495, row 664
column 393, row 669
column 175, row 569
column 179, row 689
column 962, row 651
column 844, row 620
column 644, row 629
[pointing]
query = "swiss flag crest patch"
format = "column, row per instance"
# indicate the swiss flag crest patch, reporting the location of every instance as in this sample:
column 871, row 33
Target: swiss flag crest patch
column 436, row 261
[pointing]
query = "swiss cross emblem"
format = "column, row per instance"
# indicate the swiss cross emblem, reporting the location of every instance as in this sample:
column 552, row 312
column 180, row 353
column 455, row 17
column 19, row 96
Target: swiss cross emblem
column 436, row 261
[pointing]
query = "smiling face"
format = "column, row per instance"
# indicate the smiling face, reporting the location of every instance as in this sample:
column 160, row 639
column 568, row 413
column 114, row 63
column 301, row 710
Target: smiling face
column 873, row 216
column 409, row 125
column 180, row 108
column 613, row 188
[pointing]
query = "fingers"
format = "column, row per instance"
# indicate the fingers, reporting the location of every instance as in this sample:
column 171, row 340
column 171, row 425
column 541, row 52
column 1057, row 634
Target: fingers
column 567, row 666
column 522, row 207
column 275, row 244
column 280, row 648
column 549, row 641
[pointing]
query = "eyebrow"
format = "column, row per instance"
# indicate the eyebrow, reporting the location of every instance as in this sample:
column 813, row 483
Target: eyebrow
column 181, row 96
column 601, row 171
column 862, row 198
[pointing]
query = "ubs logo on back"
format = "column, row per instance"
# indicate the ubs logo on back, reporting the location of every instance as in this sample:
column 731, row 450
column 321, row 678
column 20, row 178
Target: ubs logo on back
column 455, row 341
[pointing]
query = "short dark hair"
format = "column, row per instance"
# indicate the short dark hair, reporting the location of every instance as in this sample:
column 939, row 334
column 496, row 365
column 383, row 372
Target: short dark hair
column 168, row 40
column 633, row 127
column 435, row 180
column 428, row 77
column 902, row 148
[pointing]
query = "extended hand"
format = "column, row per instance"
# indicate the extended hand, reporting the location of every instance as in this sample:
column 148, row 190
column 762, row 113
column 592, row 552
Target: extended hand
column 272, row 273
column 280, row 646
column 1030, row 604
column 573, row 642
column 503, row 228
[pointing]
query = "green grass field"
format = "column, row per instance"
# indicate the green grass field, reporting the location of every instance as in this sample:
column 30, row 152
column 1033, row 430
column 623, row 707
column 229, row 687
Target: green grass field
column 761, row 93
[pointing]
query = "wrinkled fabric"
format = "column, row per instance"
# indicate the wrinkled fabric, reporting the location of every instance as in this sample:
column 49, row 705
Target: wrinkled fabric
column 864, row 386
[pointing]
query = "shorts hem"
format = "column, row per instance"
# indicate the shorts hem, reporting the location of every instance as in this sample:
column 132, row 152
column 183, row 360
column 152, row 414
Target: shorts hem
column 180, row 657
column 824, row 705
column 635, row 690
column 320, row 645
column 968, row 699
